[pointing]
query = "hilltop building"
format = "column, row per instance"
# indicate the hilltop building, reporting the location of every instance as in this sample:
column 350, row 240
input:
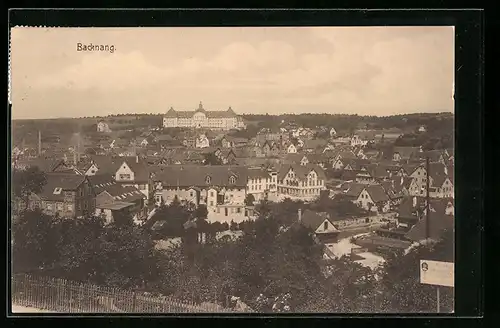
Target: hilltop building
column 201, row 118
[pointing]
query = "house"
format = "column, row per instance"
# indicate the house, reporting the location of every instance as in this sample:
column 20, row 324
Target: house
column 262, row 184
column 114, row 199
column 103, row 127
column 432, row 226
column 357, row 141
column 304, row 182
column 134, row 171
column 333, row 132
column 397, row 187
column 291, row 148
column 44, row 165
column 202, row 142
column 221, row 188
column 320, row 224
column 312, row 145
column 405, row 153
column 442, row 186
column 369, row 197
column 66, row 195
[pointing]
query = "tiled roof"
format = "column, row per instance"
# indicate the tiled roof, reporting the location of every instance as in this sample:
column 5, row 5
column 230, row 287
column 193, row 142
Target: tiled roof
column 229, row 113
column 100, row 181
column 106, row 164
column 377, row 193
column 301, row 171
column 44, row 165
column 258, row 173
column 438, row 223
column 406, row 152
column 123, row 193
column 196, row 175
column 354, row 189
column 66, row 182
column 313, row 220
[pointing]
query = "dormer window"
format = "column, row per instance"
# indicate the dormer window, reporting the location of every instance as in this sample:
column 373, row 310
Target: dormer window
column 232, row 179
column 208, row 180
column 57, row 191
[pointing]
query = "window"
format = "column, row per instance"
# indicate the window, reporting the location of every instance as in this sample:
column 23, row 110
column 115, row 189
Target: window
column 85, row 205
column 232, row 180
column 208, row 179
column 211, row 203
column 59, row 206
column 238, row 210
column 124, row 177
column 49, row 206
column 191, row 194
column 325, row 225
column 225, row 210
column 211, row 194
column 69, row 207
column 218, row 210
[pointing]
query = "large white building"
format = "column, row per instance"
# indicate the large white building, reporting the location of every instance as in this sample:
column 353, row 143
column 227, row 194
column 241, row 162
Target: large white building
column 301, row 182
column 201, row 118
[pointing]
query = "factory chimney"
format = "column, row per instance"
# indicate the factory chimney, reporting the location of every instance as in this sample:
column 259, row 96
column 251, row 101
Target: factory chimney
column 300, row 215
column 39, row 143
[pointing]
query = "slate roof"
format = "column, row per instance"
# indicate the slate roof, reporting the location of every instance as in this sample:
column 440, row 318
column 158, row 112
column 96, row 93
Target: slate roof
column 195, row 175
column 67, row 182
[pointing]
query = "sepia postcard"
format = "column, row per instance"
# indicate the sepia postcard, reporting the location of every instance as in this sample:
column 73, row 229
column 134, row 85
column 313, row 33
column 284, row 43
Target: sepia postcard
column 238, row 170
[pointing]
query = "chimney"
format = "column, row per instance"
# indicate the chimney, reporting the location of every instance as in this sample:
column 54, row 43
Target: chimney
column 137, row 158
column 74, row 157
column 39, row 142
column 445, row 170
column 401, row 182
column 414, row 201
column 300, row 215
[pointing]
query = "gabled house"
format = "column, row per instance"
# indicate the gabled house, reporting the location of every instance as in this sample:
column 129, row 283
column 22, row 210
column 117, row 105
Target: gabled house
column 303, row 182
column 320, row 224
column 134, row 171
column 221, row 188
column 202, row 142
column 333, row 132
column 66, row 195
column 291, row 148
column 103, row 127
column 369, row 197
column 113, row 199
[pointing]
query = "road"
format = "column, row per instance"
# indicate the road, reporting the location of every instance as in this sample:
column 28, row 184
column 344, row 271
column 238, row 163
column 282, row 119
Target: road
column 23, row 309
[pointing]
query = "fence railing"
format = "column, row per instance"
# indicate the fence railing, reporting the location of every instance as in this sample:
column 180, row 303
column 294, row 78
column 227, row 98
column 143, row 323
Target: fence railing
column 64, row 296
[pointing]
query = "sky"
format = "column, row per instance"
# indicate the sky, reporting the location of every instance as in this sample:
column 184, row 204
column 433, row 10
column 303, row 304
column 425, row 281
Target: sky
column 256, row 70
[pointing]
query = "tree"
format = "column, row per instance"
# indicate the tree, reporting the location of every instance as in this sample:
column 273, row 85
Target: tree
column 402, row 290
column 249, row 200
column 34, row 241
column 27, row 182
column 211, row 159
